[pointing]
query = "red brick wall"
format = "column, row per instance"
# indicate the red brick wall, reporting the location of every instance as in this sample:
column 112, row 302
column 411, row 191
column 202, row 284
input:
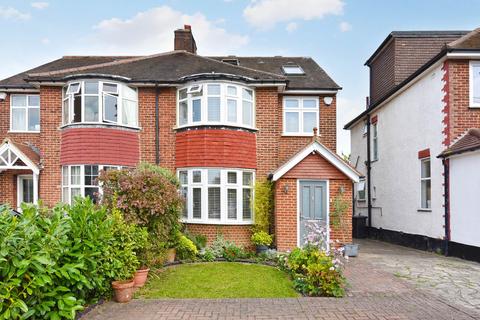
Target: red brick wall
column 8, row 188
column 343, row 232
column 99, row 146
column 215, row 148
column 285, row 217
column 314, row 166
column 240, row 235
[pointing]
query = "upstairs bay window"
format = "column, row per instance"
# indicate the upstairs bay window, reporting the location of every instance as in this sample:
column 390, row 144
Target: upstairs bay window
column 25, row 113
column 300, row 115
column 216, row 104
column 217, row 196
column 93, row 101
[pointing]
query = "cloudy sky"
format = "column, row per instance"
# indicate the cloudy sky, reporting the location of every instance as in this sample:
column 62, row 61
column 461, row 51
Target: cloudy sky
column 339, row 34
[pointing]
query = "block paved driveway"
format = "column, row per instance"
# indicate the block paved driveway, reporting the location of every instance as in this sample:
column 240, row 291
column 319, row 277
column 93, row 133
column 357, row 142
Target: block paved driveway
column 386, row 282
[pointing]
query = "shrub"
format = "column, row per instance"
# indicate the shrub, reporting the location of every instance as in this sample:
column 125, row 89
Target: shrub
column 263, row 205
column 231, row 252
column 186, row 250
column 261, row 238
column 207, row 255
column 199, row 240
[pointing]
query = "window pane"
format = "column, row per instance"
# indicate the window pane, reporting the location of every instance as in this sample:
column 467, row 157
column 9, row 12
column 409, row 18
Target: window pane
column 214, row 176
column 75, row 175
column 91, row 108
column 247, row 113
column 232, row 177
column 19, row 101
column 183, row 177
column 232, row 110
column 291, row 122
column 34, row 119
column 91, row 175
column 91, row 87
column 214, row 203
column 197, row 176
column 34, row 101
column 293, row 69
column 129, row 93
column 247, row 209
column 65, row 195
column 426, row 169
column 19, row 119
column 247, row 178
column 184, row 191
column 129, row 114
column 182, row 94
column 75, row 192
column 291, row 103
column 73, row 88
column 27, row 189
column 213, row 109
column 197, row 203
column 183, row 117
column 110, row 88
column 232, row 91
column 309, row 121
column 426, row 194
column 476, row 84
column 309, row 103
column 214, row 89
column 110, row 108
column 66, row 111
column 247, row 94
column 232, row 203
column 197, row 110
column 77, row 108
column 92, row 192
column 65, row 176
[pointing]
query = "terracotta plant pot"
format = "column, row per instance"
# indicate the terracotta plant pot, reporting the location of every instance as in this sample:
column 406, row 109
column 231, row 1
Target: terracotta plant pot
column 171, row 255
column 140, row 277
column 123, row 290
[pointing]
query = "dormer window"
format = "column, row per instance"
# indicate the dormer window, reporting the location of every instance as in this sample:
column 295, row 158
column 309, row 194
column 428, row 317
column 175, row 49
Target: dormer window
column 94, row 101
column 231, row 61
column 292, row 69
column 216, row 103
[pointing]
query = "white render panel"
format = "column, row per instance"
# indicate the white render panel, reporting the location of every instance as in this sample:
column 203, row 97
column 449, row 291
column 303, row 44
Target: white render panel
column 464, row 198
column 408, row 123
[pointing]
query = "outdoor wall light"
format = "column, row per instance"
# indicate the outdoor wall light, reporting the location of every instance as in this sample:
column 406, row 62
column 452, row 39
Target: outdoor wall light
column 285, row 188
column 328, row 100
column 3, row 96
column 341, row 189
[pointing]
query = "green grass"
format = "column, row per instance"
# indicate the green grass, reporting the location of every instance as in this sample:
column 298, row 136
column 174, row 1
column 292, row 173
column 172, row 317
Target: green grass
column 218, row 280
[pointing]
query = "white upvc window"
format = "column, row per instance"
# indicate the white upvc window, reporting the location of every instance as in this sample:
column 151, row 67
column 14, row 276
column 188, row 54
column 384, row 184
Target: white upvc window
column 217, row 195
column 82, row 180
column 361, row 190
column 24, row 113
column 300, row 115
column 216, row 103
column 95, row 101
column 425, row 184
column 374, row 142
column 474, row 84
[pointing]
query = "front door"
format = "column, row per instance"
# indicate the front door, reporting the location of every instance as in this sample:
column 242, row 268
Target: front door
column 24, row 190
column 313, row 211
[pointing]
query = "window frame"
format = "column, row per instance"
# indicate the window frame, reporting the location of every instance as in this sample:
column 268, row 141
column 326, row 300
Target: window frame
column 203, row 94
column 375, row 142
column 300, row 110
column 472, row 65
column 424, row 179
column 27, row 109
column 364, row 198
column 224, row 186
column 301, row 71
column 101, row 95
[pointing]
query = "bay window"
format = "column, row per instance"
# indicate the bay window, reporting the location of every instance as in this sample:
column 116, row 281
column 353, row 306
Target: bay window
column 216, row 103
column 300, row 115
column 217, row 196
column 94, row 101
column 25, row 113
column 82, row 180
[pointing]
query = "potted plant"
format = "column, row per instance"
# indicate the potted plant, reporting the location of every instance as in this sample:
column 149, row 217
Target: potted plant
column 261, row 240
column 172, row 244
column 142, row 250
column 123, row 290
column 340, row 206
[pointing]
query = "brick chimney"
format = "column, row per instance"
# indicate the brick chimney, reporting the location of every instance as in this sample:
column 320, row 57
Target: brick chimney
column 184, row 40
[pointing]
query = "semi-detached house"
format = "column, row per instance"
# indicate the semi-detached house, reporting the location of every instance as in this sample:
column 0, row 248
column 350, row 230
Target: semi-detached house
column 220, row 123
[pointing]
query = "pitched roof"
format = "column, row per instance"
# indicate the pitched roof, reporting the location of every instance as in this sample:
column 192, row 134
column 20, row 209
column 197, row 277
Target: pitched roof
column 468, row 142
column 176, row 67
column 316, row 147
column 468, row 41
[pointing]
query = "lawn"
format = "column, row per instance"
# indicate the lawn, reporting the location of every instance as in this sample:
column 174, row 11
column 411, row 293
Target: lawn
column 218, row 280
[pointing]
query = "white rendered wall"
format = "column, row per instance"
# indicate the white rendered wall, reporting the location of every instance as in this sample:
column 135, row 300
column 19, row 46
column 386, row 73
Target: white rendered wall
column 465, row 198
column 408, row 123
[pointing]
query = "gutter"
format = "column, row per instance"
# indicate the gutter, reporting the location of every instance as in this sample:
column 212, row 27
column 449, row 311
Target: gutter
column 157, row 126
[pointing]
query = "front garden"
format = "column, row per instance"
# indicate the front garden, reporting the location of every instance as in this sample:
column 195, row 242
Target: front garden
column 55, row 262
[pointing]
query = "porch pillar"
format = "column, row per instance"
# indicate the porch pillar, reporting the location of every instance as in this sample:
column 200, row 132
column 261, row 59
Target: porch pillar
column 35, row 188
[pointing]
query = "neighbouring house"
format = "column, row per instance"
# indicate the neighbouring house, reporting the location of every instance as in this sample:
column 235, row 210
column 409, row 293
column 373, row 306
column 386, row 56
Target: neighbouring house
column 219, row 122
column 417, row 142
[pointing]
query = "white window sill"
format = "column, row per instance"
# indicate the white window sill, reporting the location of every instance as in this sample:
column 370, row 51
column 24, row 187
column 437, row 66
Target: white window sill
column 99, row 124
column 474, row 107
column 202, row 124
column 217, row 222
column 15, row 131
column 361, row 200
column 297, row 134
column 424, row 210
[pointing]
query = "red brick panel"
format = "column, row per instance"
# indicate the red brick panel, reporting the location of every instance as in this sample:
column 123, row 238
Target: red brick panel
column 314, row 166
column 343, row 232
column 100, row 146
column 285, row 218
column 424, row 153
column 240, row 235
column 215, row 148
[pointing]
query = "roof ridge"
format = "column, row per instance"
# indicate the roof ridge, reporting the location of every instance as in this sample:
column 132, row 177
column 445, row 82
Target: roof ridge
column 464, row 38
column 104, row 64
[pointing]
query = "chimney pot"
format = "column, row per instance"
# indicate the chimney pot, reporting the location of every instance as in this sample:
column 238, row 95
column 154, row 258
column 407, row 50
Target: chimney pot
column 184, row 40
column 187, row 27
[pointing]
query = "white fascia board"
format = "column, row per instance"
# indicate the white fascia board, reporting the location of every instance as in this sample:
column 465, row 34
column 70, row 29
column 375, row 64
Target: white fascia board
column 463, row 55
column 325, row 153
column 310, row 91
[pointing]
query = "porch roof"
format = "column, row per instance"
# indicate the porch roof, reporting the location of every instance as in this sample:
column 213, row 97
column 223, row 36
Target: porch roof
column 15, row 155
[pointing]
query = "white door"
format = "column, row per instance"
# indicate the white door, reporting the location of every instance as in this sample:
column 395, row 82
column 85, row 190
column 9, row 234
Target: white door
column 24, row 190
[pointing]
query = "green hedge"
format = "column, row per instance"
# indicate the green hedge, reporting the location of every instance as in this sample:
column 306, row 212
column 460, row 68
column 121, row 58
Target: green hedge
column 53, row 262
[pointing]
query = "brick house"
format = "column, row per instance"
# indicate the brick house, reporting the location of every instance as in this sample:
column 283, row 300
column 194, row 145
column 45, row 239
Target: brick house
column 220, row 123
column 417, row 142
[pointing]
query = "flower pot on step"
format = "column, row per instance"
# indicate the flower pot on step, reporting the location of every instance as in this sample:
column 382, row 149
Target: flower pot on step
column 261, row 248
column 123, row 290
column 140, row 277
column 171, row 255
column 351, row 250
